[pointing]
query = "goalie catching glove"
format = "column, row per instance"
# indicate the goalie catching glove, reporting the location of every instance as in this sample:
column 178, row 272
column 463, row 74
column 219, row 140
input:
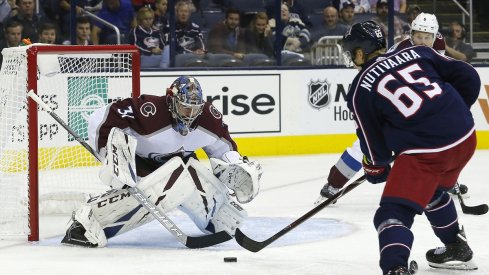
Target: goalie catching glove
column 238, row 174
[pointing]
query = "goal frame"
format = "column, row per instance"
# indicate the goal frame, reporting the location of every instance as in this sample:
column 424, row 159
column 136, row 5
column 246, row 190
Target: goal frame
column 32, row 54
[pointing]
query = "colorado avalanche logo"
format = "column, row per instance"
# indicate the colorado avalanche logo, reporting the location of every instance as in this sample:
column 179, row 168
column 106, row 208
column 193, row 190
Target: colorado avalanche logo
column 215, row 112
column 147, row 109
column 319, row 96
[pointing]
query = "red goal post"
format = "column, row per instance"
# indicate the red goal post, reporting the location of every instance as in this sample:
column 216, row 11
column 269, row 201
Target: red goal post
column 41, row 166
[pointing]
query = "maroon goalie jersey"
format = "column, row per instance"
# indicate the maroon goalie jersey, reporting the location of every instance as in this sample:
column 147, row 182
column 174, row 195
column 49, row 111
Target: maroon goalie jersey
column 438, row 45
column 149, row 120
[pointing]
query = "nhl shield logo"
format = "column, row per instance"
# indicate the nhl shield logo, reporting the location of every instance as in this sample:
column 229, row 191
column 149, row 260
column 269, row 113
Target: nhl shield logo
column 319, row 96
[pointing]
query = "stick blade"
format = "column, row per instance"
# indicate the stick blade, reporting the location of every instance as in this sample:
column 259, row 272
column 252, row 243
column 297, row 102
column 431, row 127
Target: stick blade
column 475, row 210
column 207, row 240
column 247, row 243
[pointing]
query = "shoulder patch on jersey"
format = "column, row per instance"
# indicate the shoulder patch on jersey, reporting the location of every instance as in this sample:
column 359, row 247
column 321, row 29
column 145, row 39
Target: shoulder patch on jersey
column 148, row 109
column 215, row 113
column 195, row 25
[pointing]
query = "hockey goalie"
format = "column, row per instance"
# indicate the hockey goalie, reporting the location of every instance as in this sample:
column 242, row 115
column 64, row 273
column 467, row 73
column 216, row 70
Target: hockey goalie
column 162, row 134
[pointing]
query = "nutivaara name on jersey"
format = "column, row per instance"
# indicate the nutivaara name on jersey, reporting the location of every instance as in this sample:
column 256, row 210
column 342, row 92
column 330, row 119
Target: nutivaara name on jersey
column 387, row 64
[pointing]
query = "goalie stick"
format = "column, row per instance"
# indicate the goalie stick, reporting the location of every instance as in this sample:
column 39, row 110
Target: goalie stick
column 480, row 209
column 255, row 246
column 141, row 198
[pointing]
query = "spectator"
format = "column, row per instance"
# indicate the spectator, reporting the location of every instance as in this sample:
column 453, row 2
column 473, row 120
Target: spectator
column 188, row 34
column 227, row 37
column 295, row 35
column 83, row 32
column 5, row 10
column 47, row 33
column 120, row 14
column 160, row 14
column 412, row 13
column 456, row 47
column 330, row 26
column 382, row 17
column 29, row 19
column 14, row 8
column 399, row 5
column 64, row 14
column 147, row 39
column 137, row 4
column 296, row 10
column 258, row 36
column 13, row 36
column 360, row 6
column 347, row 14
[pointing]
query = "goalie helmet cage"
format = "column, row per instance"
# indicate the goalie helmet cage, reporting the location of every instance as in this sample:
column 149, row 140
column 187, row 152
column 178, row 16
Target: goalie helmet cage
column 39, row 160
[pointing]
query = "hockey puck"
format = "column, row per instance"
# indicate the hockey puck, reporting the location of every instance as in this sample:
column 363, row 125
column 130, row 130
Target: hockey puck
column 230, row 259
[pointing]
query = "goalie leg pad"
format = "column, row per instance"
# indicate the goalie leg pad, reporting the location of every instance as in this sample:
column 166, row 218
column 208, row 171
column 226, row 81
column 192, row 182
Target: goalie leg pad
column 243, row 178
column 93, row 231
column 228, row 217
column 209, row 207
column 167, row 187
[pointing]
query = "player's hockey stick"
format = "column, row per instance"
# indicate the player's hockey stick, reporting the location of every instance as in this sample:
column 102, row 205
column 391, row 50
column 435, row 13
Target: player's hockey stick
column 255, row 246
column 480, row 209
column 141, row 198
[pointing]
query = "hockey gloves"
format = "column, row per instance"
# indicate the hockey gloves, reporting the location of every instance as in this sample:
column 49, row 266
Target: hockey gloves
column 375, row 173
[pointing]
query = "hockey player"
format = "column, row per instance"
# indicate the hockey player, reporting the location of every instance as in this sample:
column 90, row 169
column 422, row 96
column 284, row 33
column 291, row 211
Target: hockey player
column 168, row 129
column 414, row 104
column 424, row 31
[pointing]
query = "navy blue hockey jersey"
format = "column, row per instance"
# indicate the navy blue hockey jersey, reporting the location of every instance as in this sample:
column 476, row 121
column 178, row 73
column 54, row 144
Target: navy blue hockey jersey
column 412, row 101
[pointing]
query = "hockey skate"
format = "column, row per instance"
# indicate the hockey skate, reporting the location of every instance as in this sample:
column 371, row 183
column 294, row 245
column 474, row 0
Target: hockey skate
column 326, row 192
column 75, row 235
column 402, row 270
column 456, row 255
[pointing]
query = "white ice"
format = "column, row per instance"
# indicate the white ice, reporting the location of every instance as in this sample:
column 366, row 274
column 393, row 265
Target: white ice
column 339, row 240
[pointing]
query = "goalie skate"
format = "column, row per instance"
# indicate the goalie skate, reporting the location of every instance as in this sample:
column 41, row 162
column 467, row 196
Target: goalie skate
column 75, row 236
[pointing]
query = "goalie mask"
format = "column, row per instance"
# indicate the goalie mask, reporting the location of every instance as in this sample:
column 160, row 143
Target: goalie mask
column 186, row 102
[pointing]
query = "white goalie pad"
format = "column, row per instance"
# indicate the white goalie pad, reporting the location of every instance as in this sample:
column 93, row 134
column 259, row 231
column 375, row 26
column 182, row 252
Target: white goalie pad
column 242, row 177
column 210, row 207
column 168, row 187
column 93, row 230
column 119, row 167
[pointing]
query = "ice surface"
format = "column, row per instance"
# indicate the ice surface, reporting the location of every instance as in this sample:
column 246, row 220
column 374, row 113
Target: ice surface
column 338, row 240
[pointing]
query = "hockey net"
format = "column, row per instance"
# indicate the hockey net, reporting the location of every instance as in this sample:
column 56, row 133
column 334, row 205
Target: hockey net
column 42, row 168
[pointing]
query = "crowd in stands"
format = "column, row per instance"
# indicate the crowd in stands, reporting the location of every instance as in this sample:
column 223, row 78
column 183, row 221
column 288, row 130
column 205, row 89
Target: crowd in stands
column 209, row 32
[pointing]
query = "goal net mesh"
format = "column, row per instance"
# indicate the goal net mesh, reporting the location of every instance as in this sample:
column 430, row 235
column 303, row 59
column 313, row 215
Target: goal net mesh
column 73, row 85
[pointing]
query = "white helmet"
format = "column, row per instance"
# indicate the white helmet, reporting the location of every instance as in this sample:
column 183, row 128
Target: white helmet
column 425, row 22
